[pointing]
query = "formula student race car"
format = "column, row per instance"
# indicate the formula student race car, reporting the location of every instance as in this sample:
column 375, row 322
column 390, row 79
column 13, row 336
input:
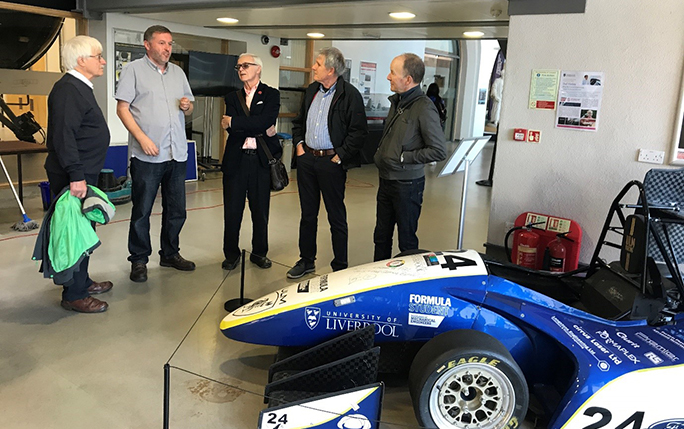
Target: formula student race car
column 600, row 348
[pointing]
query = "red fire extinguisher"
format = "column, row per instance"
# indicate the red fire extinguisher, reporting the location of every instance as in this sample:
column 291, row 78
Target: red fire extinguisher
column 557, row 253
column 525, row 254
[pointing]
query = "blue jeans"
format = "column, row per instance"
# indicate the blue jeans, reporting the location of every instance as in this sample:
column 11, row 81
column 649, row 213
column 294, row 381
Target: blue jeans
column 398, row 203
column 146, row 178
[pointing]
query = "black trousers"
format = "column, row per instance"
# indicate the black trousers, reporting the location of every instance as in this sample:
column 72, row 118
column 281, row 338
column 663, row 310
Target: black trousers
column 77, row 287
column 398, row 202
column 318, row 176
column 253, row 181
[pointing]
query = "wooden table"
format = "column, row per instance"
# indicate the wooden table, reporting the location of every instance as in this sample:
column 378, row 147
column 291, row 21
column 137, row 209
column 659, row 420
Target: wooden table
column 18, row 148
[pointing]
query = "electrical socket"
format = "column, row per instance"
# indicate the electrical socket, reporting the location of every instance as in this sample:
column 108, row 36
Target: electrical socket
column 651, row 156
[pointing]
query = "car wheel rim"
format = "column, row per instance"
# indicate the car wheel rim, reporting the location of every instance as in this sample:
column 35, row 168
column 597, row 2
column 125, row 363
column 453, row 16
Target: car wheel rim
column 472, row 395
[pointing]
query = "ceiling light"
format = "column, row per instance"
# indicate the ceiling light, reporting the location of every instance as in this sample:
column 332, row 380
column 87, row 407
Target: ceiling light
column 227, row 20
column 316, row 35
column 473, row 34
column 402, row 15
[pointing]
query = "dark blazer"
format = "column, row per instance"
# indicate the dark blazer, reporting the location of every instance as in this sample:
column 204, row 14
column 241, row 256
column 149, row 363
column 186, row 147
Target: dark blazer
column 262, row 114
column 77, row 133
column 347, row 122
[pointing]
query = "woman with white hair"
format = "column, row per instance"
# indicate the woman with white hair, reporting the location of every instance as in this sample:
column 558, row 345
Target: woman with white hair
column 77, row 142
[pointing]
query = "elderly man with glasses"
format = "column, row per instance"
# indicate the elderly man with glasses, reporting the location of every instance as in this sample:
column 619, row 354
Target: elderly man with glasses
column 251, row 113
column 77, row 142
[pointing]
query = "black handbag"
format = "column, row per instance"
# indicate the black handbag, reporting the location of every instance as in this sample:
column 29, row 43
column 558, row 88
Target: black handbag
column 279, row 177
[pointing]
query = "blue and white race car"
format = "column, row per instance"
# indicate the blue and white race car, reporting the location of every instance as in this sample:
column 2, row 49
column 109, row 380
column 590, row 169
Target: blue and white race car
column 597, row 350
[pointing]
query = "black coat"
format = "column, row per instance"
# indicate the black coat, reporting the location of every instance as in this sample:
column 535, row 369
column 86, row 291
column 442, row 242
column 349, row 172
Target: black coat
column 347, row 122
column 263, row 113
column 77, row 134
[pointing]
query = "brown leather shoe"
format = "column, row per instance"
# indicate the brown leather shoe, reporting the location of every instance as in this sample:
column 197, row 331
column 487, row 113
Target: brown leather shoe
column 97, row 288
column 86, row 305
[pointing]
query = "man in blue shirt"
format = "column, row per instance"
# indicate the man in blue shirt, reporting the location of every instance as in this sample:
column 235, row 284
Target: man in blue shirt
column 153, row 97
column 328, row 132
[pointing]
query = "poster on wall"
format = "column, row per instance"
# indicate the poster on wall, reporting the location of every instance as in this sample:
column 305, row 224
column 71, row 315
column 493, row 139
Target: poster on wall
column 579, row 100
column 367, row 80
column 124, row 54
column 544, row 89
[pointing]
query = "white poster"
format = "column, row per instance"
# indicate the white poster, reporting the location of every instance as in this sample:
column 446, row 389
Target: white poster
column 579, row 100
column 367, row 80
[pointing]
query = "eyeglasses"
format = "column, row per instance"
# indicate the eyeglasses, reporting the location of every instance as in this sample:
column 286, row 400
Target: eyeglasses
column 244, row 66
column 98, row 56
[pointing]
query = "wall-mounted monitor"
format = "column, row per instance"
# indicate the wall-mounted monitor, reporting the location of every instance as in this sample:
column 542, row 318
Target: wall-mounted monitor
column 212, row 75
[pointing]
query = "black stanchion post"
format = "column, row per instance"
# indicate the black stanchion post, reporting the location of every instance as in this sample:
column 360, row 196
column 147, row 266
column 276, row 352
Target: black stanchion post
column 242, row 279
column 233, row 304
column 167, row 393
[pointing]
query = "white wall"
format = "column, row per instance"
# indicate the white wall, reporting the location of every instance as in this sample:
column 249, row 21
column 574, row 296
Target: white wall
column 468, row 122
column 104, row 31
column 575, row 174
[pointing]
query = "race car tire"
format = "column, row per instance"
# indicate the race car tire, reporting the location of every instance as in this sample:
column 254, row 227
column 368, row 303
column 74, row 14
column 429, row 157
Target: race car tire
column 466, row 378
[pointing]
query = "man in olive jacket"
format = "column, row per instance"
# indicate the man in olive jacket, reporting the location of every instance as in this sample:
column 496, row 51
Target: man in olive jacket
column 411, row 138
column 329, row 133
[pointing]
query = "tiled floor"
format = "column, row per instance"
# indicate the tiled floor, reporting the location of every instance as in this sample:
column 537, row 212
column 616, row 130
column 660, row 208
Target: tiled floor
column 60, row 369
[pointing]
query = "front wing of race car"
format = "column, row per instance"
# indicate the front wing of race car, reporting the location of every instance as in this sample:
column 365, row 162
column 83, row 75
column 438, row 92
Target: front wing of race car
column 624, row 374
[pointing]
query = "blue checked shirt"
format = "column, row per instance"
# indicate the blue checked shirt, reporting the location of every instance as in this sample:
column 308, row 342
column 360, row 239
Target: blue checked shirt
column 317, row 134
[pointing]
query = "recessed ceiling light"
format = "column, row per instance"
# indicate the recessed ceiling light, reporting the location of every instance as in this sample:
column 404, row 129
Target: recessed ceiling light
column 227, row 20
column 402, row 15
column 473, row 34
column 316, row 35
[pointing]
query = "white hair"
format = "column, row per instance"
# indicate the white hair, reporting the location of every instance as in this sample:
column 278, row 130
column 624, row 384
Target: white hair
column 78, row 47
column 256, row 58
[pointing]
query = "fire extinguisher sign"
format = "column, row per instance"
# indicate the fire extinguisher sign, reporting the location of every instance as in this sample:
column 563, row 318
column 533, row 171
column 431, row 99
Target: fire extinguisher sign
column 558, row 225
column 534, row 218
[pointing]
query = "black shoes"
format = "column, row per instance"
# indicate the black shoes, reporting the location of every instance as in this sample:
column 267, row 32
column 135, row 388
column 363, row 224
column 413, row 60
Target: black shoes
column 227, row 265
column 177, row 262
column 260, row 261
column 139, row 272
column 300, row 269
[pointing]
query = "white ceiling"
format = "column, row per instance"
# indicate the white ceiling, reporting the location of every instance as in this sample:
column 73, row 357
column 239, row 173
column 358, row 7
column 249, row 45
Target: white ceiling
column 435, row 19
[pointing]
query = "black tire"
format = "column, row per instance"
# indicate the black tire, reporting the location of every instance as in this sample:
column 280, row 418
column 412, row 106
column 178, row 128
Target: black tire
column 467, row 366
column 411, row 252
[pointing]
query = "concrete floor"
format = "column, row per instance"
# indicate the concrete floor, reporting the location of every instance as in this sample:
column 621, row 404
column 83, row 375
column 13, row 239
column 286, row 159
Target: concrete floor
column 61, row 369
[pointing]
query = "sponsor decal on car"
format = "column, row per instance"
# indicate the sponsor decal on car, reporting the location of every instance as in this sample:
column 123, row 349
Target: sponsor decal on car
column 425, row 320
column 472, row 359
column 653, row 358
column 395, row 263
column 303, row 287
column 668, row 424
column 431, row 259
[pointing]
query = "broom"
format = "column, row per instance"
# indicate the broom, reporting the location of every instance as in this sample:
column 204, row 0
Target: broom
column 27, row 224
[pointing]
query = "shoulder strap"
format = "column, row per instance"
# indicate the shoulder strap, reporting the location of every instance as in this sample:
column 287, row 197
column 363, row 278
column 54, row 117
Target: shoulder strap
column 243, row 102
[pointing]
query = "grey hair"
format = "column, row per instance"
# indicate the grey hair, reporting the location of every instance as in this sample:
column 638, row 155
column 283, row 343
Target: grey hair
column 78, row 47
column 333, row 59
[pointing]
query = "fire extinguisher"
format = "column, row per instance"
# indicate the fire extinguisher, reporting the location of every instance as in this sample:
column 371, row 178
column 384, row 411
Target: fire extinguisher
column 525, row 252
column 556, row 254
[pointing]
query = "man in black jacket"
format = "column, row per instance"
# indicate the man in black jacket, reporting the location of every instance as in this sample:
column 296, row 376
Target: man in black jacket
column 328, row 133
column 412, row 137
column 77, row 142
column 245, row 165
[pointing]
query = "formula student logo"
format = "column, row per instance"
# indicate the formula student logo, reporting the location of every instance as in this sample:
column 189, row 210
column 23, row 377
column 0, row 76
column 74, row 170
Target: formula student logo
column 312, row 315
